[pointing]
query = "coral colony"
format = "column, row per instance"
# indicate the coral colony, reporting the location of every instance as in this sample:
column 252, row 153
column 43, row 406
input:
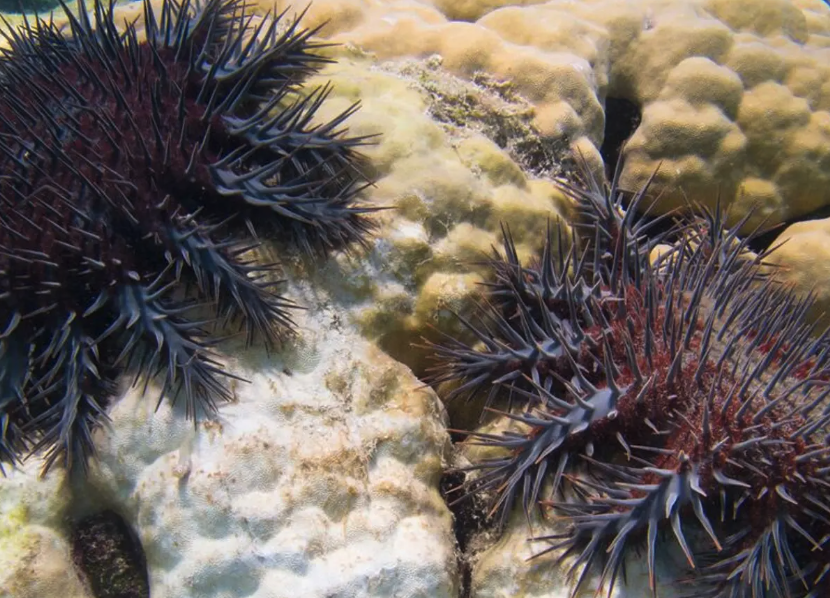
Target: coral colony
column 685, row 398
column 133, row 171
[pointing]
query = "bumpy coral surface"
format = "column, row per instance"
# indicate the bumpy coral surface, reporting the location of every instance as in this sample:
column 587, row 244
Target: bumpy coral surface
column 734, row 94
column 320, row 479
column 803, row 257
column 455, row 159
column 35, row 559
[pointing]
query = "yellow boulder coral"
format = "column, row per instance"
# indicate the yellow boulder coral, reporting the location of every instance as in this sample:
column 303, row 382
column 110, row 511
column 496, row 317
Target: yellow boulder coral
column 804, row 258
column 733, row 93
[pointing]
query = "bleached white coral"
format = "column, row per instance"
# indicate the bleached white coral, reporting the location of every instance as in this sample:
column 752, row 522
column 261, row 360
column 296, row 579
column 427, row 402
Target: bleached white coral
column 318, row 481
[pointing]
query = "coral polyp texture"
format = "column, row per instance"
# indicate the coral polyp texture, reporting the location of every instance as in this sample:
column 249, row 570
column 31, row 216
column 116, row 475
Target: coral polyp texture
column 657, row 394
column 733, row 94
column 139, row 167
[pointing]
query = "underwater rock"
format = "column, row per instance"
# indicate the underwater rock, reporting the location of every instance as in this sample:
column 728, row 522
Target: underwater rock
column 108, row 554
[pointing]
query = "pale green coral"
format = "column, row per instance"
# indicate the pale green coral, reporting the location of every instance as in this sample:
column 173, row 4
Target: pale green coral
column 40, row 566
column 35, row 559
column 700, row 81
column 483, row 156
column 450, row 187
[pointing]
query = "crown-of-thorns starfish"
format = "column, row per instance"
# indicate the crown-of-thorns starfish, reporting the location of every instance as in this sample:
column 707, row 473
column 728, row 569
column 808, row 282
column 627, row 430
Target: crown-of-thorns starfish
column 134, row 170
column 687, row 393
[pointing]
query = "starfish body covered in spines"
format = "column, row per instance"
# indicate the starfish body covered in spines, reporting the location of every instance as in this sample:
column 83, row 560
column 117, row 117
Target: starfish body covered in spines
column 685, row 393
column 138, row 173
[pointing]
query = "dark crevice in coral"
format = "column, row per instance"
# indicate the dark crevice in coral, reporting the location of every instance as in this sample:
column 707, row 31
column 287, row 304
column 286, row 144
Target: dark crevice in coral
column 622, row 117
column 468, row 520
column 109, row 556
column 766, row 239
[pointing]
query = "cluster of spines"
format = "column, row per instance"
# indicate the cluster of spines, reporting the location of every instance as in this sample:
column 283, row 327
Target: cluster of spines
column 687, row 392
column 133, row 173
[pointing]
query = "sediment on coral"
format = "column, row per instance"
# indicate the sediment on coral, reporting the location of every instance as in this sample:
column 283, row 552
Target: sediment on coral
column 489, row 106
